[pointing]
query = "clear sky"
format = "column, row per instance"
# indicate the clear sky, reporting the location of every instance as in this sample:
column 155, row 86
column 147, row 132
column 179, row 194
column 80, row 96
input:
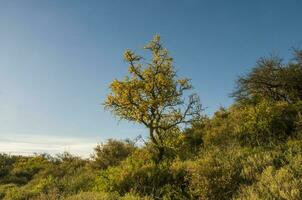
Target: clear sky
column 58, row 57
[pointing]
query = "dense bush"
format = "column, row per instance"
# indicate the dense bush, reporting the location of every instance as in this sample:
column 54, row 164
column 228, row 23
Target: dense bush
column 274, row 183
column 215, row 175
column 112, row 153
column 266, row 123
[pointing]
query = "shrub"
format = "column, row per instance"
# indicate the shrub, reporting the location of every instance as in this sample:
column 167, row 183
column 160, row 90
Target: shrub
column 112, row 153
column 274, row 184
column 266, row 123
column 94, row 196
column 141, row 175
column 216, row 175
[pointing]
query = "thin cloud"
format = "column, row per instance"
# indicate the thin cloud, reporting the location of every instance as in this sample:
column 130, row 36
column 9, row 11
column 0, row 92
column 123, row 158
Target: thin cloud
column 31, row 144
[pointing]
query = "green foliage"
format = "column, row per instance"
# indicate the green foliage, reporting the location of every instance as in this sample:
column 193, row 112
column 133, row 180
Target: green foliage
column 112, row 153
column 220, row 129
column 27, row 167
column 192, row 139
column 266, row 123
column 274, row 184
column 216, row 175
column 105, row 196
column 144, row 177
column 6, row 165
column 94, row 196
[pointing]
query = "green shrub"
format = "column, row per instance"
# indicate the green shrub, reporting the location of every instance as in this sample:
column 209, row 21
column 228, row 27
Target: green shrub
column 141, row 175
column 18, row 193
column 266, row 123
column 94, row 196
column 219, row 130
column 25, row 168
column 112, row 153
column 274, row 184
column 216, row 175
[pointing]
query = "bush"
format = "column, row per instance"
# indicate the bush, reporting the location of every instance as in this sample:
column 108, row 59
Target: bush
column 216, row 175
column 274, row 184
column 25, row 168
column 112, row 153
column 219, row 130
column 94, row 196
column 266, row 123
column 141, row 175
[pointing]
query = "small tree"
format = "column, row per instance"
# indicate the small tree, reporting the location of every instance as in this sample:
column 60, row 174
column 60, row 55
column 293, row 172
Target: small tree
column 271, row 79
column 153, row 94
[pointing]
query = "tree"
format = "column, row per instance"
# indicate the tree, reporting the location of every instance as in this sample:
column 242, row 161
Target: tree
column 153, row 94
column 271, row 79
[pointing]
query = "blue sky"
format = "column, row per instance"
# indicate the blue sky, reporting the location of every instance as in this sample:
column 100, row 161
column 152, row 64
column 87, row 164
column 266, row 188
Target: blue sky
column 58, row 57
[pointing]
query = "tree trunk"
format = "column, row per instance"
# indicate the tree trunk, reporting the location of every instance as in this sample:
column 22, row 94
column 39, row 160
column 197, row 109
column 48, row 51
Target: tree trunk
column 160, row 151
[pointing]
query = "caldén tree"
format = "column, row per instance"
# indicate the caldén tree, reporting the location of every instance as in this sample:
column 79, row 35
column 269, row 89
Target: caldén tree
column 153, row 95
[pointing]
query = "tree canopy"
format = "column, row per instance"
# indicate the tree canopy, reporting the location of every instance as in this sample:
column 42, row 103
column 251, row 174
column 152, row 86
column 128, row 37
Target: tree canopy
column 272, row 79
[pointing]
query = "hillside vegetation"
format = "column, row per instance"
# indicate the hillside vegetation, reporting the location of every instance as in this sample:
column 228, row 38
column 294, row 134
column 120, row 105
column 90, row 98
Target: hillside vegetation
column 251, row 150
